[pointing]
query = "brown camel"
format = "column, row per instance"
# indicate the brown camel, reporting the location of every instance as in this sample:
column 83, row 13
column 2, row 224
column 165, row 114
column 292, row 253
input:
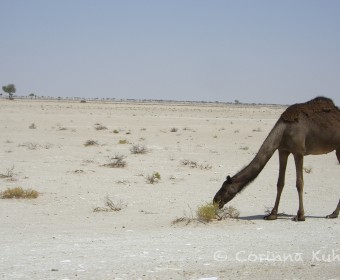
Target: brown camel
column 310, row 128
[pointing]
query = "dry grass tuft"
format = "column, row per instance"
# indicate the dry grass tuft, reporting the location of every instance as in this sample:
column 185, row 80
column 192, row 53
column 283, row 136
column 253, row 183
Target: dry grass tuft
column 91, row 143
column 110, row 206
column 35, row 146
column 19, row 192
column 123, row 141
column 195, row 164
column 153, row 178
column 139, row 149
column 116, row 162
column 9, row 173
column 32, row 126
column 209, row 212
column 100, row 127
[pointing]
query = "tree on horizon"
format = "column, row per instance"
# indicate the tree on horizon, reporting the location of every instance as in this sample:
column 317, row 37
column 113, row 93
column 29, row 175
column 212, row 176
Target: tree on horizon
column 10, row 90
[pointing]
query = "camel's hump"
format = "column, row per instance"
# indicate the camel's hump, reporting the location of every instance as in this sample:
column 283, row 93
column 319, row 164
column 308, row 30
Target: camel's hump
column 314, row 106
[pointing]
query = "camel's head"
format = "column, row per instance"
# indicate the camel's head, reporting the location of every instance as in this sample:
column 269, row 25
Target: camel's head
column 226, row 193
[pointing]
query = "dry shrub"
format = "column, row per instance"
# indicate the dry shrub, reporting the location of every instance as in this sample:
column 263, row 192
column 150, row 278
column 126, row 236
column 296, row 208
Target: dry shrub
column 229, row 212
column 123, row 141
column 9, row 173
column 139, row 149
column 32, row 126
column 195, row 164
column 91, row 143
column 35, row 146
column 19, row 192
column 116, row 162
column 100, row 127
column 110, row 206
column 153, row 178
column 186, row 219
column 209, row 212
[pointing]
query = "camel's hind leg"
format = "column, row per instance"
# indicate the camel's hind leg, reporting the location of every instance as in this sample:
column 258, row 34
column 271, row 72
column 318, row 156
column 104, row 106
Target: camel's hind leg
column 338, row 154
column 335, row 214
column 283, row 157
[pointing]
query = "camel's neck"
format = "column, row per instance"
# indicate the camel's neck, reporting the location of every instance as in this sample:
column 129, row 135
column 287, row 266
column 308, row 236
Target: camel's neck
column 253, row 169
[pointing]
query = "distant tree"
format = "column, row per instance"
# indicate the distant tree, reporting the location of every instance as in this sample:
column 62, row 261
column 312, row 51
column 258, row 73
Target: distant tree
column 31, row 95
column 9, row 89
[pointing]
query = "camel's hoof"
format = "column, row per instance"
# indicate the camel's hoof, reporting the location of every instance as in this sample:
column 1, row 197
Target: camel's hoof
column 298, row 219
column 270, row 217
column 332, row 216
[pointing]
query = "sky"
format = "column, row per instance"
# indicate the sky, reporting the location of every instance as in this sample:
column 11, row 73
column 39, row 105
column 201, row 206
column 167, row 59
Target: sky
column 258, row 51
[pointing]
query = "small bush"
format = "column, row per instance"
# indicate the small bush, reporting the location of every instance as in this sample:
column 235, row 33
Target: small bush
column 174, row 129
column 110, row 206
column 153, row 178
column 209, row 211
column 116, row 162
column 32, row 126
column 195, row 164
column 139, row 149
column 35, row 146
column 19, row 192
column 187, row 218
column 123, row 141
column 91, row 143
column 9, row 173
column 100, row 127
column 228, row 213
column 115, row 131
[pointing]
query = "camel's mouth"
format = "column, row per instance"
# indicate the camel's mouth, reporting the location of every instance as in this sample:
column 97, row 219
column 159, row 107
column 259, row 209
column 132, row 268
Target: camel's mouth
column 219, row 203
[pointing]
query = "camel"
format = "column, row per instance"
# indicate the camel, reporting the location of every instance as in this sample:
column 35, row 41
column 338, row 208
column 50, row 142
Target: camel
column 311, row 128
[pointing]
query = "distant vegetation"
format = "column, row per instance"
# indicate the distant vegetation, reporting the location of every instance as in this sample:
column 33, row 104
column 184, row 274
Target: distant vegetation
column 10, row 90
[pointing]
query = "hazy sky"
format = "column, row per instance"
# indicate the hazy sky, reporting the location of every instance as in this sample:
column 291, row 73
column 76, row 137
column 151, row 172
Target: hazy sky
column 253, row 51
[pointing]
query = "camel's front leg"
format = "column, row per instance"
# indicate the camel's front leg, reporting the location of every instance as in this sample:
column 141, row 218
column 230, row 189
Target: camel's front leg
column 283, row 157
column 299, row 185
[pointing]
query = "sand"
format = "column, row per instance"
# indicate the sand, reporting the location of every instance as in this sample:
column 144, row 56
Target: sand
column 60, row 236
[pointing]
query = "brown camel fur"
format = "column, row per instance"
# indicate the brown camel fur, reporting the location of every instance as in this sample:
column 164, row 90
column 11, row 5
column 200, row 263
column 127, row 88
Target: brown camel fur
column 311, row 128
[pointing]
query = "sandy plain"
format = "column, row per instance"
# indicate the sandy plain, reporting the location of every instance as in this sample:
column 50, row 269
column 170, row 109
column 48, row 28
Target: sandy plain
column 59, row 236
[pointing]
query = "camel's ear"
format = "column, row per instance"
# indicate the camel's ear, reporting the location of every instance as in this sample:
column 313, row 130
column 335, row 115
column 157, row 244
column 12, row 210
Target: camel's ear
column 229, row 181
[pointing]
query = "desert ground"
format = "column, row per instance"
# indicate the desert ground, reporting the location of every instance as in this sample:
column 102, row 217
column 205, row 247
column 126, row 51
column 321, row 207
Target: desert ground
column 59, row 235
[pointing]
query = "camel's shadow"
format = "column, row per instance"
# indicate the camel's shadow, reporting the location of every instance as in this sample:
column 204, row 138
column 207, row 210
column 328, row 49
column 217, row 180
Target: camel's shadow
column 281, row 216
